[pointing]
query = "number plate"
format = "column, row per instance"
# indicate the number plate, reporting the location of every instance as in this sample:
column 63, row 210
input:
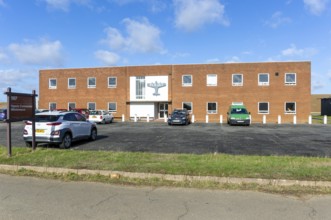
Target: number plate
column 94, row 116
column 40, row 131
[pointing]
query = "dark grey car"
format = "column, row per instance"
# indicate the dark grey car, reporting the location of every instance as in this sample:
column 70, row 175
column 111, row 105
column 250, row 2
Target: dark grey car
column 179, row 116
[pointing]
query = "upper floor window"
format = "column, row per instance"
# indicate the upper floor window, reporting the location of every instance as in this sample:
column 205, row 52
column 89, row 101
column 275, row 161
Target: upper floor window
column 263, row 79
column 112, row 82
column 52, row 84
column 211, row 80
column 263, row 107
column 72, row 83
column 140, row 87
column 112, row 107
column 237, row 79
column 187, row 80
column 290, row 107
column 212, row 107
column 91, row 82
column 188, row 106
column 290, row 79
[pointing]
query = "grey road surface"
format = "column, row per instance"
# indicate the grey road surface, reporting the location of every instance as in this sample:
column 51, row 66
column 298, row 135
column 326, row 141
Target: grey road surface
column 31, row 198
column 257, row 139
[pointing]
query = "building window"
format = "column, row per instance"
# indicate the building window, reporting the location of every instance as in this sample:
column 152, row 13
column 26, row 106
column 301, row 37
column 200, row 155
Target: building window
column 290, row 79
column 263, row 107
column 52, row 84
column 140, row 87
column 52, row 106
column 112, row 82
column 237, row 79
column 112, row 107
column 188, row 106
column 91, row 106
column 91, row 82
column 211, row 80
column 212, row 107
column 72, row 83
column 263, row 79
column 71, row 105
column 290, row 108
column 187, row 80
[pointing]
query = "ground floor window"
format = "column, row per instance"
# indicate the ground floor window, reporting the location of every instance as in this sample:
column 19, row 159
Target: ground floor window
column 112, row 107
column 52, row 105
column 290, row 107
column 71, row 105
column 91, row 106
column 263, row 107
column 188, row 106
column 212, row 107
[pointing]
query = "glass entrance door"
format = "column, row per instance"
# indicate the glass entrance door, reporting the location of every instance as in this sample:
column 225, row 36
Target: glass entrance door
column 163, row 110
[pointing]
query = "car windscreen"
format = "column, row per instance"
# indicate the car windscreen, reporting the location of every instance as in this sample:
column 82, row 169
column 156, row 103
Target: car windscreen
column 95, row 113
column 47, row 118
column 2, row 110
column 239, row 111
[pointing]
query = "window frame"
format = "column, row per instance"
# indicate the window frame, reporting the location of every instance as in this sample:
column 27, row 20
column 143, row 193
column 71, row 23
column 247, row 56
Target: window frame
column 263, row 83
column 212, row 111
column 187, row 84
column 74, row 103
column 88, row 105
column 49, row 83
column 293, row 112
column 191, row 105
column 112, row 86
column 242, row 79
column 211, row 84
column 69, row 86
column 112, row 111
column 50, row 105
column 263, row 111
column 290, row 83
column 88, row 82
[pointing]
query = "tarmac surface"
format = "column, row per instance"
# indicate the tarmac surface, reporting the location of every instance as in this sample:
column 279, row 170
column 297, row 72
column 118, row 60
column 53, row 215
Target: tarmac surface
column 201, row 138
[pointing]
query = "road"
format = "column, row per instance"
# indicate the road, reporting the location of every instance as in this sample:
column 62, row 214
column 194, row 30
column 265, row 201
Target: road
column 32, row 198
column 257, row 139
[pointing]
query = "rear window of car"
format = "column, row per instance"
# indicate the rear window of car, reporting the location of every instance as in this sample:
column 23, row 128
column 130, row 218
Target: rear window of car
column 47, row 118
column 95, row 112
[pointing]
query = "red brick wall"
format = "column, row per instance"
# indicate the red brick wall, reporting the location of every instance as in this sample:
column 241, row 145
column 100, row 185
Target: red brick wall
column 277, row 93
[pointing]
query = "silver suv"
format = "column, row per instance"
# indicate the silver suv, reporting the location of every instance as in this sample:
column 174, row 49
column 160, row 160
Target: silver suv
column 59, row 128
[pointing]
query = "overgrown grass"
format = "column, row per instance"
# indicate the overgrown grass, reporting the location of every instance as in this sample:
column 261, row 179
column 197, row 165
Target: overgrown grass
column 318, row 119
column 220, row 165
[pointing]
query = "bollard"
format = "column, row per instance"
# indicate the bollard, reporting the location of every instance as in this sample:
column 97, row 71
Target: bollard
column 250, row 119
column 264, row 119
column 147, row 117
column 325, row 121
column 165, row 118
column 221, row 119
column 123, row 118
column 135, row 118
column 207, row 119
column 309, row 119
column 279, row 119
column 192, row 119
column 294, row 119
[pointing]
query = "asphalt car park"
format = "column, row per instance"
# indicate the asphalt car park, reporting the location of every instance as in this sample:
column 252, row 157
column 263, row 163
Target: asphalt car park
column 200, row 138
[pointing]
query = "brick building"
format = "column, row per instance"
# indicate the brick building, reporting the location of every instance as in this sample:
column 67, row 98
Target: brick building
column 270, row 88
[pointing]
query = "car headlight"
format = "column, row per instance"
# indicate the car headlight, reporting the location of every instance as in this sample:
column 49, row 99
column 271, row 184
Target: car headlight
column 232, row 118
column 183, row 118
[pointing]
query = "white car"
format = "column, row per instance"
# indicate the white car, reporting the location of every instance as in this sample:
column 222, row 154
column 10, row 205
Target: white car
column 100, row 116
column 60, row 128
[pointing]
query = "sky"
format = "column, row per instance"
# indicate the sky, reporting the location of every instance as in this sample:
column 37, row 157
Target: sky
column 53, row 34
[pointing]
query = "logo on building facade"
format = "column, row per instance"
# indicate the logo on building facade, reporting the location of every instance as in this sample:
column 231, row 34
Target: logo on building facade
column 156, row 85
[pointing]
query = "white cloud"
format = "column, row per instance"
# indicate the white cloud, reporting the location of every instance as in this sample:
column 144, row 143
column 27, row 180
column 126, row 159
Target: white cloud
column 294, row 51
column 233, row 59
column 277, row 19
column 142, row 37
column 193, row 14
column 316, row 7
column 64, row 5
column 3, row 57
column 107, row 57
column 40, row 53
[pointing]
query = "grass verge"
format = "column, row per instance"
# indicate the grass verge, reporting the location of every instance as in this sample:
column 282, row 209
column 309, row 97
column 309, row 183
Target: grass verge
column 219, row 165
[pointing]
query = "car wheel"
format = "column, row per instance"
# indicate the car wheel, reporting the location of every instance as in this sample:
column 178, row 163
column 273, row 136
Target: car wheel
column 66, row 141
column 103, row 121
column 93, row 135
column 111, row 120
column 28, row 144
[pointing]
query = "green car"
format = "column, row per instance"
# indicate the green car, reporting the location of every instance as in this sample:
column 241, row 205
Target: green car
column 238, row 114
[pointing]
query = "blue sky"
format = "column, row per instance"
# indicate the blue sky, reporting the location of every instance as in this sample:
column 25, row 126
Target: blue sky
column 42, row 34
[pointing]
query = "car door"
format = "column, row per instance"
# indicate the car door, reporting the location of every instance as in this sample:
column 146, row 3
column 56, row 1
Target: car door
column 84, row 126
column 73, row 124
